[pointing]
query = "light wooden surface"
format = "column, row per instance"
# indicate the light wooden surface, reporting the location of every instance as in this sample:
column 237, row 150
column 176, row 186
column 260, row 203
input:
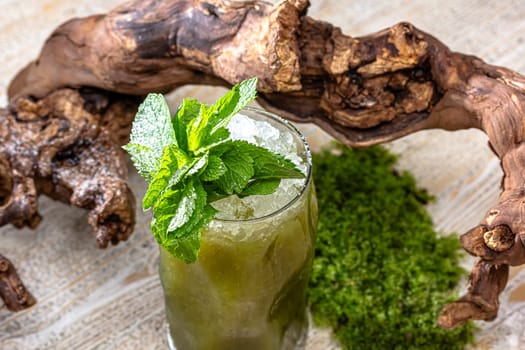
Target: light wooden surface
column 112, row 299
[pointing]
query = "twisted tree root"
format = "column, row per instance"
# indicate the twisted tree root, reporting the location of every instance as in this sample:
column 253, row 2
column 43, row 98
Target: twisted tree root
column 363, row 91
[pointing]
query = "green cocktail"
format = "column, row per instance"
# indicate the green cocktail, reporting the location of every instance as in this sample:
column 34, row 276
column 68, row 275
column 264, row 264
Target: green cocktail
column 247, row 288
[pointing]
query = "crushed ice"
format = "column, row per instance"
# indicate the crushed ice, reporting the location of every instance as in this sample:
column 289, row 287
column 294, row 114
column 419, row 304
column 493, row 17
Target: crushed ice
column 262, row 133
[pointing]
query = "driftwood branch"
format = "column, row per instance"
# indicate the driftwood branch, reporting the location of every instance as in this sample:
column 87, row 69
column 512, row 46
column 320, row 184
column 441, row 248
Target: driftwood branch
column 363, row 91
column 16, row 297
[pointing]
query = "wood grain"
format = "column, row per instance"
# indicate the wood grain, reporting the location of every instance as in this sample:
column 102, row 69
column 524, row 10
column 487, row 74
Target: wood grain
column 111, row 299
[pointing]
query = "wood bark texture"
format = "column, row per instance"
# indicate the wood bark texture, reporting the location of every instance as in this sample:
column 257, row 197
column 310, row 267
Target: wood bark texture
column 78, row 97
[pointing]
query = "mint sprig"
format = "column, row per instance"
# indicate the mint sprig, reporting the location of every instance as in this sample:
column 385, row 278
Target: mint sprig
column 190, row 161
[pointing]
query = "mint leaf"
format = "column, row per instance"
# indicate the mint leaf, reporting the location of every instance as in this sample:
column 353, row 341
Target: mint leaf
column 185, row 209
column 194, row 166
column 178, row 210
column 196, row 222
column 143, row 160
column 151, row 132
column 173, row 158
column 232, row 103
column 219, row 137
column 260, row 187
column 209, row 128
column 268, row 164
column 186, row 112
column 239, row 170
column 163, row 213
column 199, row 165
column 197, row 128
column 187, row 247
column 214, row 170
column 184, row 241
column 213, row 191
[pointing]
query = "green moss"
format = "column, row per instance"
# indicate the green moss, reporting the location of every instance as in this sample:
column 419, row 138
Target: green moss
column 381, row 273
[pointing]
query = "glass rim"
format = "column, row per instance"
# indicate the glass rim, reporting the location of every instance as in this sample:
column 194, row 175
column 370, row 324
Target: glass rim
column 294, row 131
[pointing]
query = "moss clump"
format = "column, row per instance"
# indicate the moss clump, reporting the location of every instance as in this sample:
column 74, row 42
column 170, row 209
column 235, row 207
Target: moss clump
column 381, row 274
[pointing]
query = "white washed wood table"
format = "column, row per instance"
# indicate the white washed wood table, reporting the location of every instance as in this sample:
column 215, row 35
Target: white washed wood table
column 112, row 299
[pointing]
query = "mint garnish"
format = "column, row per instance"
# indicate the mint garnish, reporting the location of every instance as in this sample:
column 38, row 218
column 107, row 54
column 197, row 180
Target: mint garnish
column 190, row 161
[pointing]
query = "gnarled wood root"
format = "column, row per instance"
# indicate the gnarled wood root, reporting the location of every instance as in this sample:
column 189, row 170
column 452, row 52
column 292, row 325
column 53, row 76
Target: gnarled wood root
column 59, row 146
column 363, row 91
column 16, row 297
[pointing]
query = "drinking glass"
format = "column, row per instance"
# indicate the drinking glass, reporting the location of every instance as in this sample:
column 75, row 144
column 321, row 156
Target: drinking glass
column 247, row 288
